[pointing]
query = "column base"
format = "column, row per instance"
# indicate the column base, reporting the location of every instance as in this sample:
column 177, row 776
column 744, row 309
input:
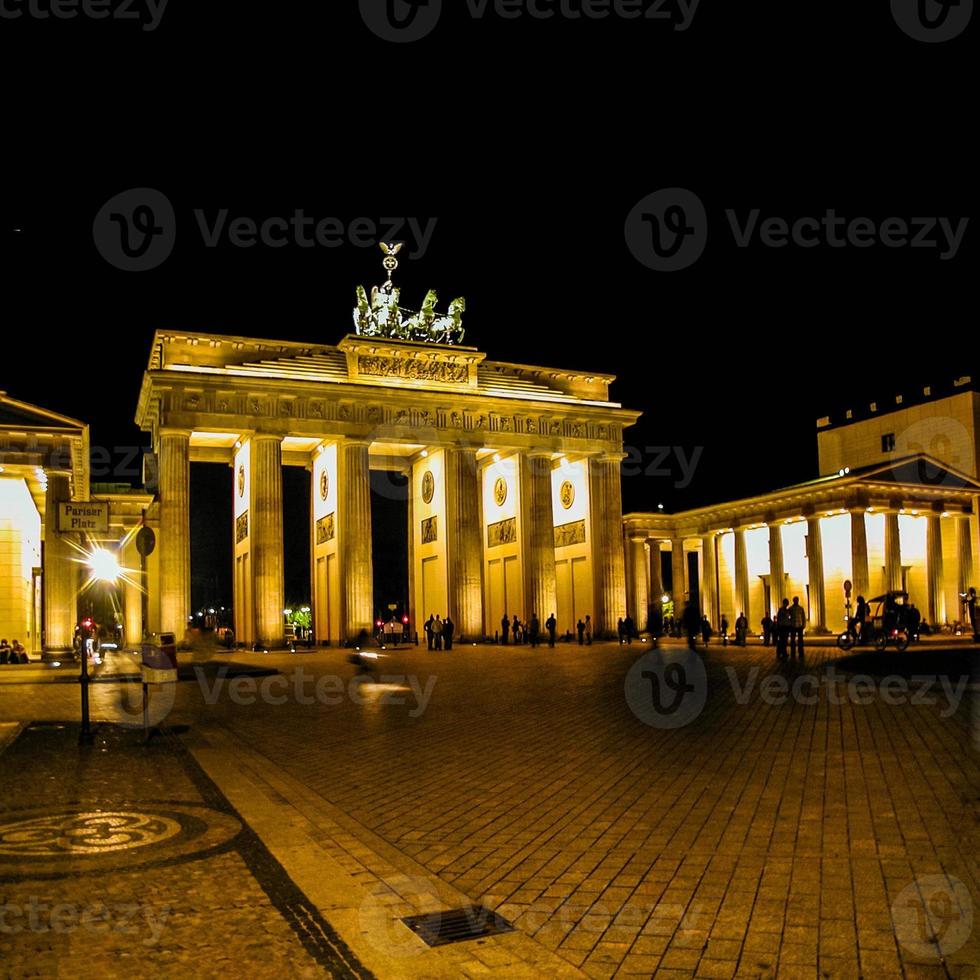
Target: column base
column 66, row 655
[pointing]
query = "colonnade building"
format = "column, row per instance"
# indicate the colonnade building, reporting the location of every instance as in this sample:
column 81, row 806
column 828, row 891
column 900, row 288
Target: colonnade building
column 894, row 508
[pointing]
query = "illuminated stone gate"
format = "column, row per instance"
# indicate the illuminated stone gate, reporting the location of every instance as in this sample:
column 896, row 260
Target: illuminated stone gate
column 514, row 502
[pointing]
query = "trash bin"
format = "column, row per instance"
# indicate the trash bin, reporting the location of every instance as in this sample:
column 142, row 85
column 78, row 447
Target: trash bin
column 159, row 652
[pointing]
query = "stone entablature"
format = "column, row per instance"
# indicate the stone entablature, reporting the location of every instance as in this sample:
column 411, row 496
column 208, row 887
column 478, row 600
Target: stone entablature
column 187, row 388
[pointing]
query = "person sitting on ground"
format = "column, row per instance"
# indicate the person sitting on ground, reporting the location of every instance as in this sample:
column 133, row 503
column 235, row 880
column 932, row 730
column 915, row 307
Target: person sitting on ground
column 19, row 653
column 4, row 652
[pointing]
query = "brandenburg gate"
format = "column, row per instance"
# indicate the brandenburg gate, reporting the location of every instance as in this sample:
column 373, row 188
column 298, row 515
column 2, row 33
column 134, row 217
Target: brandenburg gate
column 514, row 472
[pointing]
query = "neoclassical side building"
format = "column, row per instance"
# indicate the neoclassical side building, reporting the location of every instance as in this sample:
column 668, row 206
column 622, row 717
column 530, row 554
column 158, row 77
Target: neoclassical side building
column 514, row 503
column 52, row 519
column 894, row 508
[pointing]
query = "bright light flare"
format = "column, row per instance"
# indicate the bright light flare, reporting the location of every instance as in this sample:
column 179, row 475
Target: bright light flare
column 104, row 565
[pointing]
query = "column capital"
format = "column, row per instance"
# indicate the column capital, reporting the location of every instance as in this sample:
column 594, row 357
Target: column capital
column 265, row 437
column 638, row 538
column 168, row 431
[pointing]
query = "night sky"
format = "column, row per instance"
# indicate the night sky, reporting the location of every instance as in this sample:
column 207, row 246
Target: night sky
column 529, row 143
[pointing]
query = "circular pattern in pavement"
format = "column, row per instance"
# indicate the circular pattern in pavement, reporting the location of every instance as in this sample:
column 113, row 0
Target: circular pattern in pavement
column 84, row 838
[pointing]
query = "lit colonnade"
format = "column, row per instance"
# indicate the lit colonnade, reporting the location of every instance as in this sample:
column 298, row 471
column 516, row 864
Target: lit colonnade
column 53, row 520
column 513, row 473
column 881, row 528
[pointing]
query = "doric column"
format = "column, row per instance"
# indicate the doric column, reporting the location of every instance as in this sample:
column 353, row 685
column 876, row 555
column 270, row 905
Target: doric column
column 58, row 574
column 354, row 506
column 133, row 586
column 678, row 574
column 266, row 538
column 777, row 578
column 539, row 536
column 814, row 557
column 638, row 576
column 656, row 578
column 608, row 555
column 934, row 570
column 464, row 543
column 859, row 553
column 964, row 551
column 709, row 579
column 175, row 532
column 893, row 553
column 741, row 574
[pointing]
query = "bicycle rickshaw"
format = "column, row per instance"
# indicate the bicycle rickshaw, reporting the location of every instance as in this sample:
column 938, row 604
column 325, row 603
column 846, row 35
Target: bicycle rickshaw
column 888, row 624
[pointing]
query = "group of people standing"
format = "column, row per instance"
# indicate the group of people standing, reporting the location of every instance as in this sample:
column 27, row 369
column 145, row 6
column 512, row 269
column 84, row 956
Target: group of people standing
column 530, row 631
column 786, row 628
column 439, row 633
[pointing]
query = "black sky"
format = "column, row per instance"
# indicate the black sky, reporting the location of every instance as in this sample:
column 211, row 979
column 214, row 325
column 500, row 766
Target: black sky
column 528, row 142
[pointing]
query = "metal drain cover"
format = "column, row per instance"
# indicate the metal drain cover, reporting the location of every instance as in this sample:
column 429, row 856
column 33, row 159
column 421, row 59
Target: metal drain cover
column 457, row 925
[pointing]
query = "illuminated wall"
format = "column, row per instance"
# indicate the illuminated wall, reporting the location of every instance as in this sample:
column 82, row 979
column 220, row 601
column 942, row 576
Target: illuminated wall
column 573, row 562
column 325, row 571
column 912, row 534
column 429, row 534
column 503, row 573
column 836, row 534
column 874, row 524
column 945, row 429
column 20, row 552
column 795, row 562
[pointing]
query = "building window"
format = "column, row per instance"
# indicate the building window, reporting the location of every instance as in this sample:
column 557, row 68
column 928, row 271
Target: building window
column 888, row 442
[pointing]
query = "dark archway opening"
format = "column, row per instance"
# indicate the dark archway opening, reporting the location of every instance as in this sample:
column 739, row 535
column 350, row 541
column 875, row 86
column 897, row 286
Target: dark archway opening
column 296, row 533
column 211, row 532
column 389, row 536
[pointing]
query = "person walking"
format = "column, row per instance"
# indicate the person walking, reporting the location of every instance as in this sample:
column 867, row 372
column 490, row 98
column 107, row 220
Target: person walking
column 504, row 630
column 724, row 630
column 448, row 629
column 516, row 627
column 783, row 623
column 970, row 601
column 741, row 629
column 629, row 628
column 588, row 631
column 580, row 629
column 437, row 627
column 767, row 626
column 705, row 630
column 619, row 630
column 534, row 631
column 551, row 625
column 797, row 622
column 429, row 636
